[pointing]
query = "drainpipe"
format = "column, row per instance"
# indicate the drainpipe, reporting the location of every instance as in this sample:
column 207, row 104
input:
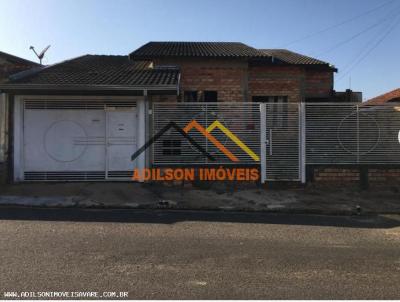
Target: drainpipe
column 178, row 84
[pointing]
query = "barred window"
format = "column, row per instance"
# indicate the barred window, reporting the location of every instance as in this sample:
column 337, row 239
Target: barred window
column 171, row 147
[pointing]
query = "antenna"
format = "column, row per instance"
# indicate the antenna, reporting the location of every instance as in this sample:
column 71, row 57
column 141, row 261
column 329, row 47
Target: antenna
column 42, row 53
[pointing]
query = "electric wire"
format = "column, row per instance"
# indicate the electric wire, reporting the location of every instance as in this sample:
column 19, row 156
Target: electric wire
column 380, row 22
column 355, row 63
column 338, row 24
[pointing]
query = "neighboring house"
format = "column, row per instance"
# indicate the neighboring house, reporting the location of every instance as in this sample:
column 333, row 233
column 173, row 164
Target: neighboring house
column 10, row 64
column 83, row 118
column 389, row 97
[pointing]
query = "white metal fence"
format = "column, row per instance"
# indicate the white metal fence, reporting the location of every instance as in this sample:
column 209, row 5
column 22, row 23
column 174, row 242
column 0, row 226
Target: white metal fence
column 225, row 123
column 281, row 138
column 352, row 133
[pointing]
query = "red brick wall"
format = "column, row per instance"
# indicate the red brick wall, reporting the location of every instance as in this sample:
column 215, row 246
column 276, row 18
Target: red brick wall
column 276, row 81
column 228, row 82
column 336, row 175
column 227, row 77
column 384, row 176
column 318, row 83
column 293, row 81
column 236, row 81
column 351, row 175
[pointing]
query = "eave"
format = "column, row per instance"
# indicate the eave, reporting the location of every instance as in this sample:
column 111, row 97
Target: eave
column 88, row 88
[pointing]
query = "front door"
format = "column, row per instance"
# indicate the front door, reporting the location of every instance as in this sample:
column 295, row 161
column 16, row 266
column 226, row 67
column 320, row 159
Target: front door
column 121, row 142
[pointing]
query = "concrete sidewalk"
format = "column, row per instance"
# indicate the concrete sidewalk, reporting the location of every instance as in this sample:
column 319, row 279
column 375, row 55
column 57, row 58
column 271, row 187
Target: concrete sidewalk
column 220, row 196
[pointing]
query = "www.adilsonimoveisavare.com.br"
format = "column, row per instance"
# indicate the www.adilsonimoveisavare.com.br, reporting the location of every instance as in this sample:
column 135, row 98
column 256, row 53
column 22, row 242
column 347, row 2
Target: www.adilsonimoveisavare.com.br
column 64, row 294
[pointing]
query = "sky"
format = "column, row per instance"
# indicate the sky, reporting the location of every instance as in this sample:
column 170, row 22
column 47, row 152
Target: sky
column 360, row 37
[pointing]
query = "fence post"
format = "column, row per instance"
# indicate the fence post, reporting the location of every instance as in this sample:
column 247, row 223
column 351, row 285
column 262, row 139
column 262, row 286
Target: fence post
column 358, row 136
column 302, row 141
column 141, row 133
column 263, row 141
column 364, row 178
column 150, row 116
column 2, row 126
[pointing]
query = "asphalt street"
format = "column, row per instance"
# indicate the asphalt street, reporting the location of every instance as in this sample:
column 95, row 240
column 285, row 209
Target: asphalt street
column 199, row 255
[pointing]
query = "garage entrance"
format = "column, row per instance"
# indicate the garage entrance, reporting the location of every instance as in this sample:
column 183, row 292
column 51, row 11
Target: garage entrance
column 77, row 139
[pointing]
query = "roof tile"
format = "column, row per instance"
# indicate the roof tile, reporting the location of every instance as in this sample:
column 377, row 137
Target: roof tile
column 101, row 70
column 291, row 57
column 195, row 49
column 17, row 60
column 392, row 96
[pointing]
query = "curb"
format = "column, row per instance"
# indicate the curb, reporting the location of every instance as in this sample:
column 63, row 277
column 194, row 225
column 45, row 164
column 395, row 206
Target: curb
column 295, row 211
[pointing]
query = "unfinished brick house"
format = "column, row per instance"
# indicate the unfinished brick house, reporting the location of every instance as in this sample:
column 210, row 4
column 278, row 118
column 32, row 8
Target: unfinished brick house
column 9, row 65
column 235, row 72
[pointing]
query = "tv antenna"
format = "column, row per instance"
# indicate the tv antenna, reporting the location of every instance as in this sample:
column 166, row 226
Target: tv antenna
column 41, row 55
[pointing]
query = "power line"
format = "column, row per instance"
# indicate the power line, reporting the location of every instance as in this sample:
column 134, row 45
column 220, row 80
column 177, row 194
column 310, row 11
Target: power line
column 362, row 56
column 367, row 46
column 380, row 22
column 374, row 46
column 339, row 24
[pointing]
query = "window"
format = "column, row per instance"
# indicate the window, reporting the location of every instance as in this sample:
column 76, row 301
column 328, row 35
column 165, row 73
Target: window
column 206, row 96
column 277, row 111
column 171, row 147
column 395, row 100
column 190, row 96
column 210, row 96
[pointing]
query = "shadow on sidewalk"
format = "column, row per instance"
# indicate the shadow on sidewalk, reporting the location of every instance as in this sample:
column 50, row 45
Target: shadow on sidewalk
column 170, row 217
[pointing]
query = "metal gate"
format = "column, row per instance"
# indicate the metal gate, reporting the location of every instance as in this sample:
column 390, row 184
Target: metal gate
column 280, row 142
column 76, row 139
column 121, row 133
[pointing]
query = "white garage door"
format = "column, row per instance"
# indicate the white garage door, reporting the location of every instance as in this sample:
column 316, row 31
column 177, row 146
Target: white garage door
column 79, row 140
